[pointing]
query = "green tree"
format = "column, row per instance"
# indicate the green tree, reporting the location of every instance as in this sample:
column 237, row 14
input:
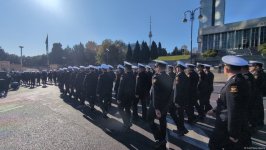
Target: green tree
column 154, row 51
column 262, row 49
column 176, row 51
column 146, row 52
column 136, row 53
column 90, row 52
column 210, row 53
column 160, row 50
column 116, row 52
column 56, row 55
column 129, row 53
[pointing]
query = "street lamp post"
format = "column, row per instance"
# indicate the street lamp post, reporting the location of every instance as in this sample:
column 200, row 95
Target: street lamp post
column 192, row 17
column 21, row 47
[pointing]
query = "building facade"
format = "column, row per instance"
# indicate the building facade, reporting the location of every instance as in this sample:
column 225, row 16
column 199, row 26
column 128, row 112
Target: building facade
column 247, row 34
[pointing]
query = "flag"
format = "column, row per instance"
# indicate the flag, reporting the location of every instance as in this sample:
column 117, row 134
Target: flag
column 46, row 41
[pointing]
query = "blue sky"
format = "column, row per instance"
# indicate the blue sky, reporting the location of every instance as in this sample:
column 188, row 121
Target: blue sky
column 27, row 22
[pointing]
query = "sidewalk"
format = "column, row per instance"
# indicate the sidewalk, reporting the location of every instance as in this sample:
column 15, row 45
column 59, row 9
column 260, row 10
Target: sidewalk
column 219, row 78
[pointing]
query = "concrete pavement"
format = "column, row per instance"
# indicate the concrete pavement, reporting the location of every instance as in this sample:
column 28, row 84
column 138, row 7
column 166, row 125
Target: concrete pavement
column 41, row 118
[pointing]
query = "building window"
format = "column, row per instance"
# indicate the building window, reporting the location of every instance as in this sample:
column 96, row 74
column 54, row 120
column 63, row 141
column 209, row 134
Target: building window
column 217, row 42
column 210, row 41
column 205, row 43
column 263, row 35
column 231, row 40
column 224, row 38
column 254, row 37
column 246, row 38
column 239, row 39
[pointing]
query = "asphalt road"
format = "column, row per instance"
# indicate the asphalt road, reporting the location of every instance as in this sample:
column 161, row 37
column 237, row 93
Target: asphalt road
column 41, row 118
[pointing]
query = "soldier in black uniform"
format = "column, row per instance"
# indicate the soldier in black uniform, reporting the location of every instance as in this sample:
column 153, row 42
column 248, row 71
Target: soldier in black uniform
column 180, row 97
column 38, row 76
column 210, row 78
column 260, row 85
column 80, row 91
column 203, row 90
column 180, row 86
column 111, row 84
column 171, row 72
column 162, row 87
column 252, row 115
column 231, row 125
column 150, row 74
column 119, row 73
column 193, row 96
column 103, row 89
column 126, row 95
column 90, row 84
column 142, row 91
column 44, row 77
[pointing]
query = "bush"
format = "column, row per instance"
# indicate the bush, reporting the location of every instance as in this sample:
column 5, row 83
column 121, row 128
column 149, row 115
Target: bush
column 210, row 53
column 262, row 49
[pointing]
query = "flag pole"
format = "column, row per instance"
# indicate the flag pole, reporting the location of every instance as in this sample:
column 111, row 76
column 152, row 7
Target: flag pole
column 47, row 53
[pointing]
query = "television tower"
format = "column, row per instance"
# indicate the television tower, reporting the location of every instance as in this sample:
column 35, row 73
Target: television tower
column 150, row 33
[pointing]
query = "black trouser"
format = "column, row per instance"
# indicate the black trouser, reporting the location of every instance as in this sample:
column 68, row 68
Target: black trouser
column 205, row 106
column 92, row 100
column 220, row 140
column 158, row 133
column 143, row 100
column 177, row 115
column 124, row 111
column 260, row 111
column 190, row 108
column 104, row 102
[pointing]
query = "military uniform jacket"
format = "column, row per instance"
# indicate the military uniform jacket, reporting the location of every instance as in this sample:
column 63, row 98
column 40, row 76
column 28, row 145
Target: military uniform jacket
column 162, row 87
column 172, row 76
column 193, row 83
column 150, row 79
column 126, row 90
column 79, row 80
column 210, row 78
column 231, row 110
column 260, row 83
column 103, row 87
column 203, row 84
column 117, row 81
column 142, row 84
column 90, row 83
column 251, row 86
column 181, row 88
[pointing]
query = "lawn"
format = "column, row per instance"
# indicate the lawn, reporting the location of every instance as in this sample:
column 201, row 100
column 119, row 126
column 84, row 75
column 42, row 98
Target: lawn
column 174, row 58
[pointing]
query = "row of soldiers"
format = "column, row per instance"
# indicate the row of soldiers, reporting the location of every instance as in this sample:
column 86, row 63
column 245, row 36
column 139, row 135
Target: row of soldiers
column 34, row 78
column 131, row 86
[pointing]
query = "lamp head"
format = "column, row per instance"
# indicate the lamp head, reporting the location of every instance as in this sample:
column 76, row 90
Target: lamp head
column 185, row 20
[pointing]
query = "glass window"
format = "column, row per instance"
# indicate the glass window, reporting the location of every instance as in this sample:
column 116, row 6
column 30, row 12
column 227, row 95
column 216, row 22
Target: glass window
column 254, row 37
column 205, row 42
column 217, row 42
column 263, row 35
column 224, row 38
column 231, row 40
column 239, row 39
column 210, row 41
column 246, row 37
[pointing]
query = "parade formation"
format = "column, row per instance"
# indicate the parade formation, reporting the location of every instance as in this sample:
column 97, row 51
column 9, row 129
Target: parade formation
column 182, row 90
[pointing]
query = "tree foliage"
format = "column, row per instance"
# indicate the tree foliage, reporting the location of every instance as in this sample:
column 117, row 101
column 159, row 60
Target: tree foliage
column 136, row 53
column 154, row 51
column 210, row 53
column 111, row 52
column 129, row 53
column 262, row 49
